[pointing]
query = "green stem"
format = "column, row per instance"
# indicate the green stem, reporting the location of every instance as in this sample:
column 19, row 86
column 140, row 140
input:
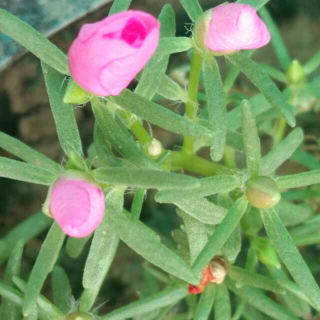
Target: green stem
column 192, row 103
column 193, row 163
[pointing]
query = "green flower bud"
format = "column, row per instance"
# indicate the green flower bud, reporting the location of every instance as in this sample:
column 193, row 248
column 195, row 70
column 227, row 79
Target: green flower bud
column 295, row 73
column 266, row 253
column 75, row 94
column 262, row 192
column 201, row 29
column 79, row 315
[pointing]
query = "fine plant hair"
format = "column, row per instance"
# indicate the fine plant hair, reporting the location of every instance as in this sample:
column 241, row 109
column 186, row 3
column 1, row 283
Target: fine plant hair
column 238, row 217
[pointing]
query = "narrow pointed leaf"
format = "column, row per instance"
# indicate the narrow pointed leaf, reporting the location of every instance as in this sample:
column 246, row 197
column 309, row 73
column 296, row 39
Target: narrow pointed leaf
column 120, row 139
column 250, row 138
column 264, row 84
column 144, row 178
column 159, row 115
column 154, row 71
column 119, row 6
column 167, row 297
column 221, row 235
column 43, row 266
column 26, row 230
column 259, row 300
column 27, row 154
column 216, row 107
column 137, row 203
column 282, row 152
column 171, row 90
column 253, row 279
column 149, row 246
column 290, row 256
column 197, row 235
column 208, row 186
column 222, row 306
column 306, row 159
column 9, row 311
column 312, row 64
column 34, row 41
column 172, row 45
column 22, row 171
column 276, row 39
column 102, row 251
column 62, row 294
column 44, row 305
column 75, row 246
column 63, row 113
column 192, row 8
column 205, row 303
column 199, row 208
column 232, row 247
column 299, row 180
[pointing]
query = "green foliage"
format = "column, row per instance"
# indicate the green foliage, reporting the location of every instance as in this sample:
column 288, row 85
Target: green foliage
column 207, row 198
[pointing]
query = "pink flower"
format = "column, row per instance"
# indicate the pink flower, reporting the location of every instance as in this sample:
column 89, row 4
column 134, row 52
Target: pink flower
column 77, row 206
column 235, row 26
column 108, row 54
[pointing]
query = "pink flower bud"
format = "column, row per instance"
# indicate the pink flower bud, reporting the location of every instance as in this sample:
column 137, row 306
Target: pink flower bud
column 233, row 27
column 108, row 54
column 77, row 206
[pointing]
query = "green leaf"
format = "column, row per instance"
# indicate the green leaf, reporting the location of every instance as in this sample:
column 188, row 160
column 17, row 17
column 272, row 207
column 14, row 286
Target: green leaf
column 172, row 45
column 221, row 235
column 171, row 90
column 306, row 159
column 273, row 72
column 216, row 107
column 199, row 208
column 75, row 246
column 192, row 8
column 12, row 295
column 306, row 240
column 8, row 310
column 46, row 309
column 34, row 41
column 312, row 225
column 154, row 71
column 250, row 139
column 256, row 298
column 283, row 151
column 299, row 307
column 232, row 247
column 43, row 266
column 63, row 113
column 27, row 154
column 276, row 39
column 208, row 186
column 290, row 256
column 26, row 230
column 222, row 306
column 137, row 203
column 159, row 115
column 292, row 214
column 119, row 6
column 103, row 147
column 149, row 246
column 22, row 171
column 205, row 303
column 254, row 280
column 119, row 138
column 197, row 235
column 167, row 297
column 257, row 4
column 264, row 84
column 299, row 180
column 102, row 251
column 312, row 64
column 144, row 178
column 61, row 289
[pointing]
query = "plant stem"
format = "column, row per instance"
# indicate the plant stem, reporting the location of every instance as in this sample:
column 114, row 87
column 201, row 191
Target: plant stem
column 192, row 104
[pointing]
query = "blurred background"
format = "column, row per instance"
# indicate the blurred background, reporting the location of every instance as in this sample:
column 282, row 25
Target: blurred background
column 25, row 114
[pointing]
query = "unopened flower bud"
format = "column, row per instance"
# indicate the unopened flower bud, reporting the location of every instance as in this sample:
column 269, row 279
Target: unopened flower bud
column 76, row 203
column 79, row 315
column 230, row 27
column 218, row 270
column 75, row 94
column 262, row 192
column 266, row 253
column 155, row 148
column 295, row 73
